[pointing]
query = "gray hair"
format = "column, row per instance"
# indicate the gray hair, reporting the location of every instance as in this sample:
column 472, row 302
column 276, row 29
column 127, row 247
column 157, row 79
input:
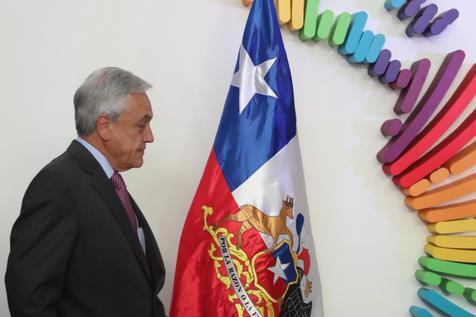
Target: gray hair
column 104, row 92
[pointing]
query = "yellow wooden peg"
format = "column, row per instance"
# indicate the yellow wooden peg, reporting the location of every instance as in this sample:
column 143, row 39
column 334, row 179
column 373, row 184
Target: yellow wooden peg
column 456, row 255
column 297, row 15
column 453, row 242
column 283, row 7
column 457, row 226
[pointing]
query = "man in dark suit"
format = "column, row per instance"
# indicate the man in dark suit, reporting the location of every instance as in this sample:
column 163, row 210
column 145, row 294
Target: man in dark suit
column 81, row 246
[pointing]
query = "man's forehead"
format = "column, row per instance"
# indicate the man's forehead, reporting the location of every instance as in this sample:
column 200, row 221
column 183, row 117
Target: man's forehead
column 138, row 107
column 138, row 97
column 139, row 100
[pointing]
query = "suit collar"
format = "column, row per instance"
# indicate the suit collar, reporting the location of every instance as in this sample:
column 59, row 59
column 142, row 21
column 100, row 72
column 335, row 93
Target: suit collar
column 100, row 157
column 84, row 158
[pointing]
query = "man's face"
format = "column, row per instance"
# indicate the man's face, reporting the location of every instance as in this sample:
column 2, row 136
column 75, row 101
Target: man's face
column 130, row 133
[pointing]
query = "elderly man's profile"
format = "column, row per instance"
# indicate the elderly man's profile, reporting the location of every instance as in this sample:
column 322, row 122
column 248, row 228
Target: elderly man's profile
column 81, row 246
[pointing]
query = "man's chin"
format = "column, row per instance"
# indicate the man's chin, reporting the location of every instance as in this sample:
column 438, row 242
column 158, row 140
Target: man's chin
column 139, row 163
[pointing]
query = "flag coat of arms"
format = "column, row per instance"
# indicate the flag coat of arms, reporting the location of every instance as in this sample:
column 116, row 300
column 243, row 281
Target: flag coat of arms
column 246, row 247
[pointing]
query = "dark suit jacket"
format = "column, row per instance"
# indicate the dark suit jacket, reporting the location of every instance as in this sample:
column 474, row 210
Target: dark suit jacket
column 73, row 250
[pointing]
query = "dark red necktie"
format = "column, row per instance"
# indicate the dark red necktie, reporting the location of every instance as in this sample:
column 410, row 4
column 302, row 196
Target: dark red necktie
column 123, row 195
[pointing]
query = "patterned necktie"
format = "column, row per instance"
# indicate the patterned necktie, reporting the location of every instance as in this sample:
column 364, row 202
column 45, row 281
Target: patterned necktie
column 123, row 195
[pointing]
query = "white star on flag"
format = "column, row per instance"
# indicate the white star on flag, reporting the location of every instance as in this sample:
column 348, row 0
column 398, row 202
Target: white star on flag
column 278, row 270
column 250, row 78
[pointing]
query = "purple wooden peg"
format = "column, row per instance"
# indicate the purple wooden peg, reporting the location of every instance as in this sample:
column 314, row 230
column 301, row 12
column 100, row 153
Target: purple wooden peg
column 441, row 22
column 391, row 73
column 391, row 127
column 380, row 66
column 422, row 20
column 403, row 79
column 410, row 9
column 427, row 105
column 408, row 96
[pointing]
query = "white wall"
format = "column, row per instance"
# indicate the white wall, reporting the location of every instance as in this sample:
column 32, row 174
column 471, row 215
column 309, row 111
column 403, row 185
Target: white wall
column 368, row 242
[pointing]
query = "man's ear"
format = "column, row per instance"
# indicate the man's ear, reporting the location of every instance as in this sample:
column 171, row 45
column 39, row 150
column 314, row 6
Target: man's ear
column 103, row 127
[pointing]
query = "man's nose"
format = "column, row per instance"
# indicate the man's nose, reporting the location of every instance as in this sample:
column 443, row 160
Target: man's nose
column 149, row 135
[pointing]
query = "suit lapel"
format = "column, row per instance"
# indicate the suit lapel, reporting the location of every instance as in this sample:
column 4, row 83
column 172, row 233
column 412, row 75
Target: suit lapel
column 153, row 253
column 105, row 189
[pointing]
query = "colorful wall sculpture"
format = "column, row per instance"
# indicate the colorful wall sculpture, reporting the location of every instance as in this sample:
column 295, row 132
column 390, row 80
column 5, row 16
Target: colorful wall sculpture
column 416, row 157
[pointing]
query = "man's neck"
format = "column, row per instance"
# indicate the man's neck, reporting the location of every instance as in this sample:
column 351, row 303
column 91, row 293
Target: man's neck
column 96, row 141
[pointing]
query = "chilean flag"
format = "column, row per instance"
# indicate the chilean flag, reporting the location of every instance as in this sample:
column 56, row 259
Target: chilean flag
column 246, row 247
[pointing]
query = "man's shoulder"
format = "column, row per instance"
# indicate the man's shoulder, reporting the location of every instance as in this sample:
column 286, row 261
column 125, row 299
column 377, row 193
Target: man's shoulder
column 62, row 164
column 62, row 169
column 57, row 179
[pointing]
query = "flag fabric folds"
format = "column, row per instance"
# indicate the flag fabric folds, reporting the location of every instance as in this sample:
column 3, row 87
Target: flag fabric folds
column 246, row 247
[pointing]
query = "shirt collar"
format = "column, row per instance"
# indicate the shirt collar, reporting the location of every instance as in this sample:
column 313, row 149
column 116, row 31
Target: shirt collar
column 102, row 160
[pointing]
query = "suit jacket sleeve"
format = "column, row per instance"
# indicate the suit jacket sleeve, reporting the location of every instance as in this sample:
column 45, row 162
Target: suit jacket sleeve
column 41, row 242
